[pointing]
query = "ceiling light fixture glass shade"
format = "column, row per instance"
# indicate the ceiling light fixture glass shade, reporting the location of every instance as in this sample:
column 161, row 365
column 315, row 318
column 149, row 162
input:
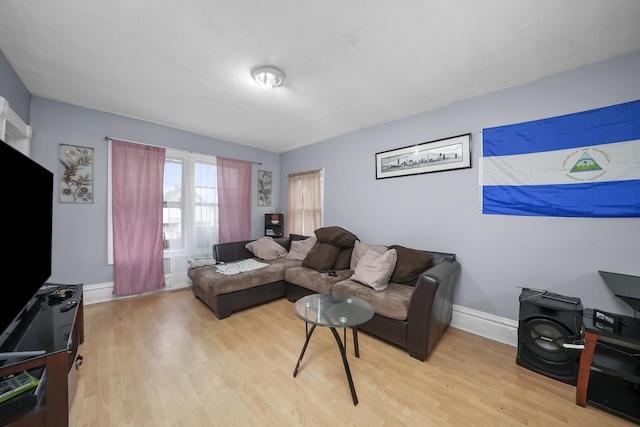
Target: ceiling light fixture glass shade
column 268, row 77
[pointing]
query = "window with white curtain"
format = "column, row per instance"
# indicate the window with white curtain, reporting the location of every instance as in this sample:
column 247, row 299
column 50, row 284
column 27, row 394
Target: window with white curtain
column 190, row 205
column 304, row 212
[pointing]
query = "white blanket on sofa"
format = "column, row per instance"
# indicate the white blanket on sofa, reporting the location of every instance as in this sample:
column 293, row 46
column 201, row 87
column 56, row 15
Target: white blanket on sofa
column 239, row 267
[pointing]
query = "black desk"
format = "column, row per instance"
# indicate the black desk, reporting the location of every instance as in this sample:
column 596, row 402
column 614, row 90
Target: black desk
column 609, row 375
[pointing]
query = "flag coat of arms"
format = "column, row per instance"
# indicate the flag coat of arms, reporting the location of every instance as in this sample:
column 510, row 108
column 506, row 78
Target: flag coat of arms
column 585, row 164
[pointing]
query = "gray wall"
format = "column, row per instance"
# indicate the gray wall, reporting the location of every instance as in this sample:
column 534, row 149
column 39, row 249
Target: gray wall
column 440, row 211
column 437, row 211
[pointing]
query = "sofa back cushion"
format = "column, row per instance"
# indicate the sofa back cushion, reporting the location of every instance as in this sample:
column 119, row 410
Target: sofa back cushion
column 411, row 263
column 374, row 269
column 300, row 248
column 232, row 251
column 266, row 248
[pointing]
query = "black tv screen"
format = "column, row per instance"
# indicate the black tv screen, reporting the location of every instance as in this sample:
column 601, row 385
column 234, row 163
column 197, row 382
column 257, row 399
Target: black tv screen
column 27, row 214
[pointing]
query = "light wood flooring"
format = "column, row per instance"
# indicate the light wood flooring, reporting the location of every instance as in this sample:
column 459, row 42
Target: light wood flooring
column 166, row 360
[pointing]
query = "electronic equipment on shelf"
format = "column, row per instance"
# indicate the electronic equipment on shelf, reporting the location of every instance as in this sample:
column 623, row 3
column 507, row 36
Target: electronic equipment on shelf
column 603, row 319
column 61, row 293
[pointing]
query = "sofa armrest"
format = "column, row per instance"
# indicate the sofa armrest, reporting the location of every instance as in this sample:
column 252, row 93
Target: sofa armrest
column 430, row 307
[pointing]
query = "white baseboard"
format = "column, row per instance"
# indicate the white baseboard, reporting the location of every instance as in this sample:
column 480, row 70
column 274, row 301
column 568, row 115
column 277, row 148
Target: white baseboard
column 473, row 321
column 103, row 292
column 486, row 325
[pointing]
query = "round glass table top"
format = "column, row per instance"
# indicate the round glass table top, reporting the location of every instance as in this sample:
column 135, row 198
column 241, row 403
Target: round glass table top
column 334, row 311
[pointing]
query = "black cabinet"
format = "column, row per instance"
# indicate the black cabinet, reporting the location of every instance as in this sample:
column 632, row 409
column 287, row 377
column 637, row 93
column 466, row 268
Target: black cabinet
column 274, row 225
column 56, row 328
column 609, row 374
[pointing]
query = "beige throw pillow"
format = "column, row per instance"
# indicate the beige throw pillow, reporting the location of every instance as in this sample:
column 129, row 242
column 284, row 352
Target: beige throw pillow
column 359, row 249
column 374, row 269
column 300, row 248
column 266, row 248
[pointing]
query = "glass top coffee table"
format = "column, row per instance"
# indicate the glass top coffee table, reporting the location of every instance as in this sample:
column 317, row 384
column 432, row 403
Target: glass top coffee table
column 334, row 311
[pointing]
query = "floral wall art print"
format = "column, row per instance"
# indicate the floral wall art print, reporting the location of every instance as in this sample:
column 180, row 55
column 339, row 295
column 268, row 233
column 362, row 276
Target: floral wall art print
column 265, row 182
column 76, row 174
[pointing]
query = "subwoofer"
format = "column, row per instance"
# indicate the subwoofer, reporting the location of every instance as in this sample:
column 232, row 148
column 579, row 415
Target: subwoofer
column 547, row 321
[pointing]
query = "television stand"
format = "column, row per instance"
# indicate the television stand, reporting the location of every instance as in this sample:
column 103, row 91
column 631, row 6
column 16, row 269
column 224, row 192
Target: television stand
column 609, row 373
column 58, row 333
column 21, row 354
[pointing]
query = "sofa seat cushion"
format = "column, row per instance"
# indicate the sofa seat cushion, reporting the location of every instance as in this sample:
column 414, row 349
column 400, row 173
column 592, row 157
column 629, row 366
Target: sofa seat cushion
column 315, row 280
column 393, row 302
column 215, row 283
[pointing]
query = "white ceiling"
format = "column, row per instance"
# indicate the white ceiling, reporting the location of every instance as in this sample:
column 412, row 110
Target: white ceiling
column 348, row 64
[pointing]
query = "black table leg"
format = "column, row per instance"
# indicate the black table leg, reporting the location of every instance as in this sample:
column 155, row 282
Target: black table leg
column 355, row 341
column 304, row 348
column 343, row 353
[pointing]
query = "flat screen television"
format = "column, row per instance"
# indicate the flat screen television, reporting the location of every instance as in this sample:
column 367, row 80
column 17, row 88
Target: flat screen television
column 27, row 190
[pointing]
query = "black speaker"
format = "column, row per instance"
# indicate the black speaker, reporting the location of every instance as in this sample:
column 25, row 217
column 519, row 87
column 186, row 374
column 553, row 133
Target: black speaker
column 547, row 321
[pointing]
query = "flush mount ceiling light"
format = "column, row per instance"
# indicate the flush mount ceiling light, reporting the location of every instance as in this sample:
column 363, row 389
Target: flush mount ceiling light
column 268, row 77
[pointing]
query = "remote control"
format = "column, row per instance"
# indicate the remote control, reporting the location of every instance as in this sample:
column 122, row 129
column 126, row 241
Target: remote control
column 68, row 306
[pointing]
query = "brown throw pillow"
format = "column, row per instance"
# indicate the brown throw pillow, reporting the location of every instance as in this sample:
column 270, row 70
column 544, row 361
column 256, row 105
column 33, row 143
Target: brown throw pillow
column 411, row 263
column 337, row 236
column 343, row 262
column 321, row 257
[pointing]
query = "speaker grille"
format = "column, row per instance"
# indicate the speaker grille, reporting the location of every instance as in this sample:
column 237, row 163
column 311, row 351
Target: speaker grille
column 545, row 337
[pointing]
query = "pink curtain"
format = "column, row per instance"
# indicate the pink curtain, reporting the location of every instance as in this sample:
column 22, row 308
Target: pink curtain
column 234, row 200
column 137, row 193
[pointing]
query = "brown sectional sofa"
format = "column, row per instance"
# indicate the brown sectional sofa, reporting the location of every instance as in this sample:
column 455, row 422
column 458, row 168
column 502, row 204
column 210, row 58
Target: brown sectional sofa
column 412, row 315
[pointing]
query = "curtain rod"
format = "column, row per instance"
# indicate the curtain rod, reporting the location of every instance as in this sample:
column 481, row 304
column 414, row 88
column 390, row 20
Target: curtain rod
column 109, row 138
column 298, row 173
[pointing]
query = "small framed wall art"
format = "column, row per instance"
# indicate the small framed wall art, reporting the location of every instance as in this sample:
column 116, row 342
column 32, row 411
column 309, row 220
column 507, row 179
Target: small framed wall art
column 265, row 183
column 76, row 174
column 433, row 156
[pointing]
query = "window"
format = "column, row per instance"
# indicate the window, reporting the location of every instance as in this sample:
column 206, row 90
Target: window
column 193, row 188
column 172, row 205
column 304, row 202
column 190, row 205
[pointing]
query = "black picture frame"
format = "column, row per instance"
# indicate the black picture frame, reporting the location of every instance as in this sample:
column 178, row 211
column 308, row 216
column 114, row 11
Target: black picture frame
column 432, row 156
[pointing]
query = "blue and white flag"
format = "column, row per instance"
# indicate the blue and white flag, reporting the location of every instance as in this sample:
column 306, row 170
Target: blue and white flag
column 585, row 164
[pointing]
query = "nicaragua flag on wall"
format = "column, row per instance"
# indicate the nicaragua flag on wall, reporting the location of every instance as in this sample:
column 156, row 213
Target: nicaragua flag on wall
column 585, row 164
